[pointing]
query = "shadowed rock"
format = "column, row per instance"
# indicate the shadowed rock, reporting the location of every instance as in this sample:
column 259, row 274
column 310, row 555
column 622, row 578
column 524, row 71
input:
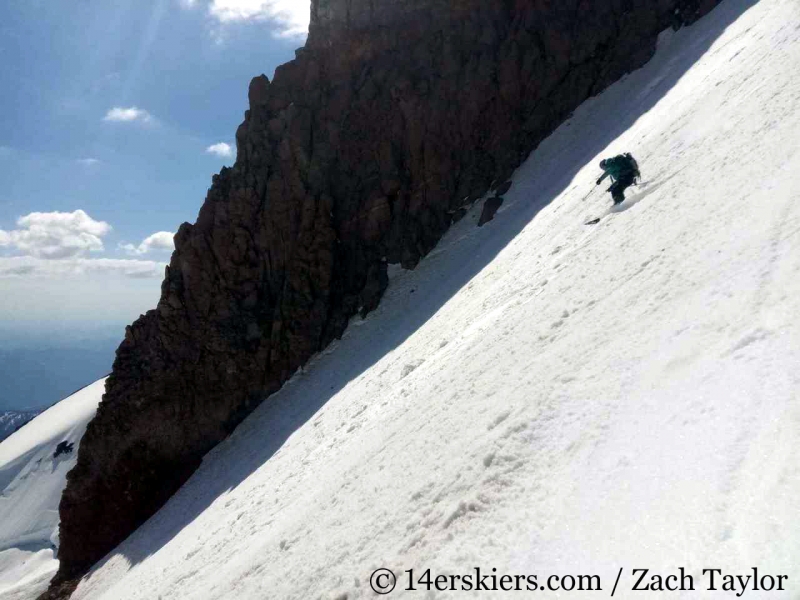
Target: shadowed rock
column 503, row 188
column 490, row 208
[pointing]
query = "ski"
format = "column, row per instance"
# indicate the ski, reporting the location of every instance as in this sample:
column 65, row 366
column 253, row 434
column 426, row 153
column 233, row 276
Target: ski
column 617, row 207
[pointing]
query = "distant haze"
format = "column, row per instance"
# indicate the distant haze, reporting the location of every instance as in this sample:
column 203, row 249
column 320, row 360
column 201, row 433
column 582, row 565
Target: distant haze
column 40, row 305
column 38, row 375
column 58, row 335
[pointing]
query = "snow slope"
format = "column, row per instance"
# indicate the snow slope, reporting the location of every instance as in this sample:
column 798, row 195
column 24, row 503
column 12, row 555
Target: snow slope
column 539, row 396
column 31, row 482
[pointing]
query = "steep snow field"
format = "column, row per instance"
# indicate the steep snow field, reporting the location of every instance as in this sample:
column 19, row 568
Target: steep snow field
column 541, row 396
column 31, row 482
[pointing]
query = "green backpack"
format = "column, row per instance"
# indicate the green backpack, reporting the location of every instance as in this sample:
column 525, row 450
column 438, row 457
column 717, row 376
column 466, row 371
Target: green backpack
column 634, row 165
column 624, row 164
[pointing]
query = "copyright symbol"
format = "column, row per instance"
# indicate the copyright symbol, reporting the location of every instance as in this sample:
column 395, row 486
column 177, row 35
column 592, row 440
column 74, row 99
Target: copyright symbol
column 382, row 581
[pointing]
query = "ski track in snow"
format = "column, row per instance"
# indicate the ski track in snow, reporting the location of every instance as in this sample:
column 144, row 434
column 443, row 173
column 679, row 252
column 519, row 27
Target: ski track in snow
column 540, row 396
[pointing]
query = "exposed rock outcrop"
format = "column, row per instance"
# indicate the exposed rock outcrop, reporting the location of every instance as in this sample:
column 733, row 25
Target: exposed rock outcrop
column 358, row 154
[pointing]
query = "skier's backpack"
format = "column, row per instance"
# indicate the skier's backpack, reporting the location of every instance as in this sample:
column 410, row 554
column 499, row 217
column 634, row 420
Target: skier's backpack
column 633, row 165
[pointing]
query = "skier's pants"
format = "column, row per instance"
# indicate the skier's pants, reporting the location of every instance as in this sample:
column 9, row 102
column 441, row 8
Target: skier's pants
column 618, row 188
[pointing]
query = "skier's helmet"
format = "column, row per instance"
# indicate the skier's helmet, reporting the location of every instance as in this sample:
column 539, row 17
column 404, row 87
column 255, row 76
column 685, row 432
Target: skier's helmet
column 603, row 164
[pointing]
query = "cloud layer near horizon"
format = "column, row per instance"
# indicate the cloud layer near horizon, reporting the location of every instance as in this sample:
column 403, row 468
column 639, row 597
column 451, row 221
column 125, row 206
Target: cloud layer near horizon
column 59, row 244
column 30, row 266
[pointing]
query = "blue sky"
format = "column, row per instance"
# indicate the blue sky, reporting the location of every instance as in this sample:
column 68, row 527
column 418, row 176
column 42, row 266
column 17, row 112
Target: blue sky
column 115, row 115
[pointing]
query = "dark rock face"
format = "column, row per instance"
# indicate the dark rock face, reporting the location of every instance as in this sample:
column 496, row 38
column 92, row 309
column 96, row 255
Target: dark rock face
column 360, row 152
column 503, row 188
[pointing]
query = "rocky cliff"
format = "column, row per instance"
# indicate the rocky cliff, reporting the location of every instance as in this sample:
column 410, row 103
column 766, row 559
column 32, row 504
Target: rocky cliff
column 358, row 154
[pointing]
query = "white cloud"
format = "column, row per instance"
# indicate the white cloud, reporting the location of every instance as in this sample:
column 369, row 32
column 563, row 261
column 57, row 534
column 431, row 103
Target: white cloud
column 56, row 235
column 30, row 266
column 158, row 241
column 88, row 161
column 57, row 245
column 222, row 150
column 291, row 15
column 126, row 115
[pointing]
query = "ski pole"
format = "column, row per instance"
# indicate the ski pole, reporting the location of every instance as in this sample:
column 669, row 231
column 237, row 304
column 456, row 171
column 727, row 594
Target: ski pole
column 589, row 194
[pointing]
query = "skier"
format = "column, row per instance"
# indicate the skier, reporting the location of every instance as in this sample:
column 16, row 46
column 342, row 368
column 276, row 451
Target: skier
column 623, row 170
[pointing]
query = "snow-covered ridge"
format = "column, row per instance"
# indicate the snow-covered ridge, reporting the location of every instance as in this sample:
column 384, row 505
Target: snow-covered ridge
column 11, row 420
column 32, row 477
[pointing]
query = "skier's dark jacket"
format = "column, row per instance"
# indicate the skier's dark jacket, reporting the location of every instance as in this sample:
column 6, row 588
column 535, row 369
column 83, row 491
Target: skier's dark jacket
column 619, row 167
